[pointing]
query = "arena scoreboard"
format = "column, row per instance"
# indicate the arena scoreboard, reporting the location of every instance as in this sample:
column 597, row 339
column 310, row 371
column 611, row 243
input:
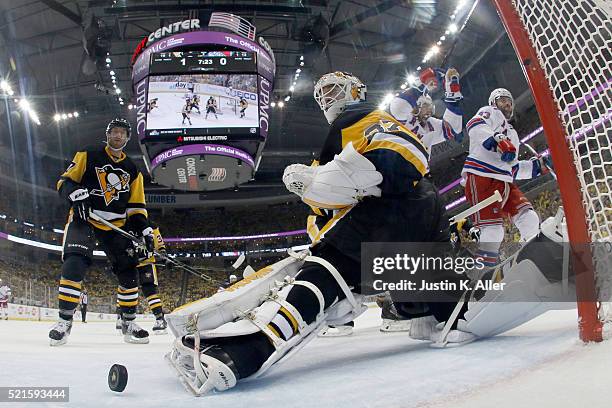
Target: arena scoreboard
column 202, row 104
column 203, row 61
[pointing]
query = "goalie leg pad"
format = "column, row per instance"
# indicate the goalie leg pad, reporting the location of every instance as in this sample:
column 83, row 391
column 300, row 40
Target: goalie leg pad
column 287, row 319
column 527, row 295
column 212, row 312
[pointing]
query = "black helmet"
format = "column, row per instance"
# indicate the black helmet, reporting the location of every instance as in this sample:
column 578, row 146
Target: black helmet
column 120, row 123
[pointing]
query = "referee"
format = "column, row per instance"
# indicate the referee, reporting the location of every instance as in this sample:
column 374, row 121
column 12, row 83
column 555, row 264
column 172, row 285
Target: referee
column 83, row 301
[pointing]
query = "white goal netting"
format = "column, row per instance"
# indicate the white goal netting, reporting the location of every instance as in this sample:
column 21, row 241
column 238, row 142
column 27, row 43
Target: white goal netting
column 573, row 42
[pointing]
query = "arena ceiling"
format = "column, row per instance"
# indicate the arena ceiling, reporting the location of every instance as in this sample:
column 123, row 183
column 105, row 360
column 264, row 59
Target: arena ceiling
column 48, row 50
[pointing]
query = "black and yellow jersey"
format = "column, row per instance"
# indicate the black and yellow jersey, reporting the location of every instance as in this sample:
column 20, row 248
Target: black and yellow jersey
column 115, row 186
column 396, row 152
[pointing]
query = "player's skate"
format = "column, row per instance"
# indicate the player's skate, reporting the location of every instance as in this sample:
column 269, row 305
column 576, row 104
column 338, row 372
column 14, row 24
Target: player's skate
column 59, row 332
column 160, row 326
column 133, row 333
column 119, row 324
column 395, row 325
column 199, row 372
column 336, row 331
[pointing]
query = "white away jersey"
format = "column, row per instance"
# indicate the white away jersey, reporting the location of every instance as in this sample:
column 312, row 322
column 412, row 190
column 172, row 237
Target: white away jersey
column 5, row 292
column 488, row 121
column 435, row 130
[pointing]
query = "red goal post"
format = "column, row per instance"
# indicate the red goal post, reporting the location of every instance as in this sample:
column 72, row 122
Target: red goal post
column 546, row 35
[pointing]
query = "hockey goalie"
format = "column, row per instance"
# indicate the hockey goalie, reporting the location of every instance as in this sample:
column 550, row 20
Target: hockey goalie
column 367, row 182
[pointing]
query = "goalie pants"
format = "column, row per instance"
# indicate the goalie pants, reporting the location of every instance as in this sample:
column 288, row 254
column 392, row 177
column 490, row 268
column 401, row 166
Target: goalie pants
column 79, row 242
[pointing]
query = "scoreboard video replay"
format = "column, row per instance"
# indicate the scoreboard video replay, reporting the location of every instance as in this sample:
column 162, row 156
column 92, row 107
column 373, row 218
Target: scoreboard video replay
column 202, row 102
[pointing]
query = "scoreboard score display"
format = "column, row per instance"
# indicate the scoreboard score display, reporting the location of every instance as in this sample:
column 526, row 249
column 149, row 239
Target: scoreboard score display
column 203, row 108
column 203, row 61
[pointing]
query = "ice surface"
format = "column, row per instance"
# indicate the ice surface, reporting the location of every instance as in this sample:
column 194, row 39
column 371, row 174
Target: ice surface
column 540, row 364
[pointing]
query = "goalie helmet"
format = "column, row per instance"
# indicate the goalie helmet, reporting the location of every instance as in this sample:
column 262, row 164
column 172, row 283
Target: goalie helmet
column 118, row 123
column 498, row 93
column 334, row 91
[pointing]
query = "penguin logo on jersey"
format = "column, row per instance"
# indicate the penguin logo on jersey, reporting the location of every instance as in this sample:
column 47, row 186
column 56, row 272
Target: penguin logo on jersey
column 112, row 183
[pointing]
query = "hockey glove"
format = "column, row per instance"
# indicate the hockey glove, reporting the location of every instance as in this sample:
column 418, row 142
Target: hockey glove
column 149, row 239
column 452, row 88
column 79, row 199
column 427, row 81
column 500, row 143
column 474, row 234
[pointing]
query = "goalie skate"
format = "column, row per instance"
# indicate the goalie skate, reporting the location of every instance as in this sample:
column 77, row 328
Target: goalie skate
column 199, row 373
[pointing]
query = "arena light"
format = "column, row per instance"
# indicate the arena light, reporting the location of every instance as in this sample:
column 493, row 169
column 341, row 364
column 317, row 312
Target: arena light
column 64, row 116
column 24, row 104
column 118, row 91
column 108, row 60
column 292, row 88
column 112, row 73
column 70, row 115
column 130, row 106
column 452, row 28
column 411, row 78
column 281, row 104
column 434, row 50
column 57, row 117
column 287, row 98
column 76, row 114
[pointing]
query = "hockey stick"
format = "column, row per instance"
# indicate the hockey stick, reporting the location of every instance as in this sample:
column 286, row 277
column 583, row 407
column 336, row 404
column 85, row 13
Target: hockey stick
column 536, row 154
column 496, row 196
column 139, row 243
column 442, row 341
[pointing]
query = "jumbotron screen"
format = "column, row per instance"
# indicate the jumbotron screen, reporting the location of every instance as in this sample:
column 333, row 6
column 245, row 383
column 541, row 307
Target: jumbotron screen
column 202, row 104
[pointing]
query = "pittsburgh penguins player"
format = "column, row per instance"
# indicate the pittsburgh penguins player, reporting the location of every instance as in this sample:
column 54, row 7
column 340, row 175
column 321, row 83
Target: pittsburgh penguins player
column 105, row 181
column 368, row 180
column 147, row 279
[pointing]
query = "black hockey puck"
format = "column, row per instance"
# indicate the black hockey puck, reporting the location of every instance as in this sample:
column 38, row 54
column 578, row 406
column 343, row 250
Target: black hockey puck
column 117, row 378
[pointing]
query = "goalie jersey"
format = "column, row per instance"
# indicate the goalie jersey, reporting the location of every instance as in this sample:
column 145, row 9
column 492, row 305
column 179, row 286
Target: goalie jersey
column 402, row 159
column 115, row 186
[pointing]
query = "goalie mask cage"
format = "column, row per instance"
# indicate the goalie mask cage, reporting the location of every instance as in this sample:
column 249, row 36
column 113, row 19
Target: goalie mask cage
column 564, row 48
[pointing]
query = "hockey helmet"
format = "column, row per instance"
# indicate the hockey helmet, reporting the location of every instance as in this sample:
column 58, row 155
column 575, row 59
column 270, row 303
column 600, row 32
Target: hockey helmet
column 425, row 100
column 498, row 93
column 119, row 123
column 335, row 90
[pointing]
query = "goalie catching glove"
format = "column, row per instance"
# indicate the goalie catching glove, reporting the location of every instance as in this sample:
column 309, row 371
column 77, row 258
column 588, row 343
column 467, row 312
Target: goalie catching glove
column 342, row 182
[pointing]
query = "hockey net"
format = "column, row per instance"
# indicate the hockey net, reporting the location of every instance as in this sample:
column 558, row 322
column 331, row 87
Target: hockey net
column 564, row 47
column 227, row 105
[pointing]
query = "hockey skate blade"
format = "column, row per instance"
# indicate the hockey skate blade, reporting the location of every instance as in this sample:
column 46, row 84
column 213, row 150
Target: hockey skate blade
column 159, row 332
column 56, row 343
column 132, row 340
